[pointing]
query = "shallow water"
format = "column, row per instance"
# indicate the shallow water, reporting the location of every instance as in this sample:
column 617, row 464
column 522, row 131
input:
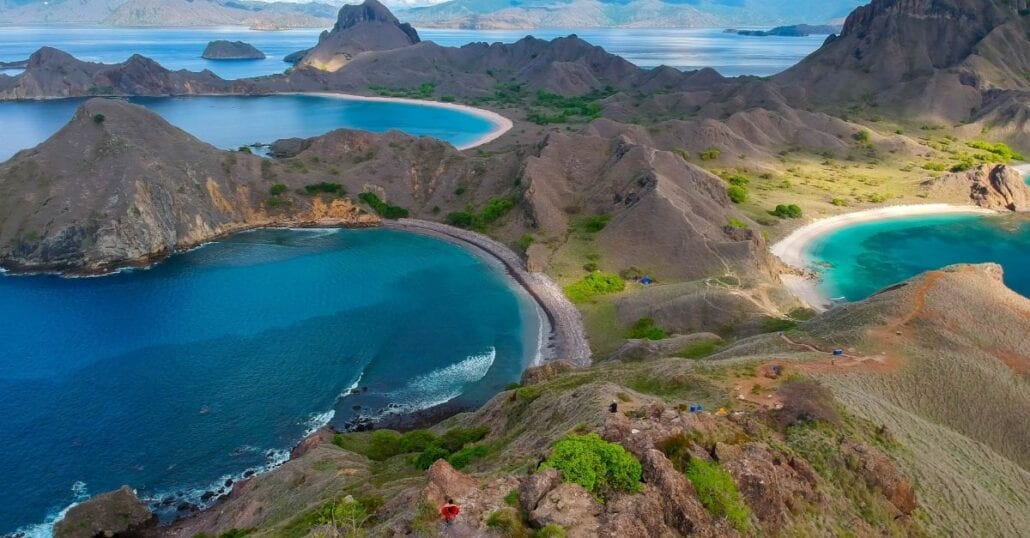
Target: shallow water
column 180, row 48
column 217, row 360
column 857, row 261
column 229, row 122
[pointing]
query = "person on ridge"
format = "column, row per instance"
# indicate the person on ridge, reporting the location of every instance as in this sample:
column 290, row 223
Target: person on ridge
column 449, row 511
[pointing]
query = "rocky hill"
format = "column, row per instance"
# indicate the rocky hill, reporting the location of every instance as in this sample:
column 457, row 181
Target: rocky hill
column 120, row 186
column 231, row 50
column 939, row 60
column 361, row 28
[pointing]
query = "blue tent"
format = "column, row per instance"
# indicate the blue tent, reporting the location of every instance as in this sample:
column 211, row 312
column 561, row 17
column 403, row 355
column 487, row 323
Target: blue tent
column 646, row 281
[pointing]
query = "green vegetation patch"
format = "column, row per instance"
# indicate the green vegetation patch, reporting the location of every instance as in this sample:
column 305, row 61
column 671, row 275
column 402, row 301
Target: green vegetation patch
column 1000, row 149
column 384, row 209
column 737, row 194
column 595, row 464
column 700, row 350
column 325, row 187
column 710, row 154
column 645, row 328
column 595, row 223
column 423, row 91
column 277, row 189
column 594, row 284
column 718, row 493
column 791, row 211
column 554, row 108
column 470, row 218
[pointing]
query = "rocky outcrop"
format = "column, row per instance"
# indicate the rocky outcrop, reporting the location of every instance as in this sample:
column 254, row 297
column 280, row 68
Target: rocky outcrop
column 231, row 50
column 880, row 473
column 569, row 506
column 120, row 186
column 990, row 186
column 362, row 28
column 118, row 513
column 929, row 58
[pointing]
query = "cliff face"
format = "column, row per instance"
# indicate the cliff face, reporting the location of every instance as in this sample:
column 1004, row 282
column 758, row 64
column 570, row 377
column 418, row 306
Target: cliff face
column 366, row 27
column 930, row 58
column 119, row 185
column 994, row 187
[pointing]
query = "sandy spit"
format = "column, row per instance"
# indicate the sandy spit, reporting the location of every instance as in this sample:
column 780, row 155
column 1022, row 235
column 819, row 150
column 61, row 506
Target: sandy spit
column 567, row 336
column 501, row 123
column 793, row 249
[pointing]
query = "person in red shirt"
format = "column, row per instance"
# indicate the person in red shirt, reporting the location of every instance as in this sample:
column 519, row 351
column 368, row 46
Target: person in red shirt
column 449, row 511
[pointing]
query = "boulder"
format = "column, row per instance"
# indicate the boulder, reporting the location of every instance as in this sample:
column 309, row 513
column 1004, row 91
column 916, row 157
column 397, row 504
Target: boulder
column 111, row 514
column 568, row 506
column 446, row 482
column 536, row 486
column 231, row 50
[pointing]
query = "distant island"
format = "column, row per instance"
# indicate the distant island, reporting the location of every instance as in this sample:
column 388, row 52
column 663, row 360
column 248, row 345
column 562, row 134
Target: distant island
column 231, row 50
column 797, row 30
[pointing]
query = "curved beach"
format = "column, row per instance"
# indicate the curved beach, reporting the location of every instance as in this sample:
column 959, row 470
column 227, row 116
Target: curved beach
column 501, row 123
column 567, row 334
column 793, row 249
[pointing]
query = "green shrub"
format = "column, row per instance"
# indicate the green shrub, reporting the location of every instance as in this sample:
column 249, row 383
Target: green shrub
column 495, row 209
column 507, row 523
column 590, row 267
column 700, row 350
column 384, row 444
column 839, row 202
column 644, row 328
column 417, row 440
column 595, row 464
column 935, row 166
column 718, row 493
column 384, row 209
column 710, row 154
column 448, row 99
column 738, row 180
column 277, row 189
column 429, row 456
column 771, row 324
column 463, row 457
column 1000, row 149
column 737, row 194
column 99, row 118
column 862, row 136
column 596, row 223
column 512, row 498
column 245, row 149
column 461, row 219
column 325, row 187
column 737, row 223
column 459, row 191
column 792, row 211
column 594, row 284
column 524, row 242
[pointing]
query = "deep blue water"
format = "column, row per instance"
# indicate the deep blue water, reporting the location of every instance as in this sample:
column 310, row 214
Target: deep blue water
column 229, row 122
column 217, row 360
column 180, row 48
column 862, row 259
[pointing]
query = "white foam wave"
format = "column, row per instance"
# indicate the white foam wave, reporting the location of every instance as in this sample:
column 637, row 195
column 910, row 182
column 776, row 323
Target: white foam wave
column 46, row 528
column 442, row 385
column 318, row 421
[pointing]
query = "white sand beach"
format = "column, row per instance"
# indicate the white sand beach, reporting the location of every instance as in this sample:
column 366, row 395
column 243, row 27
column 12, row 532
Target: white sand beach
column 793, row 249
column 501, row 123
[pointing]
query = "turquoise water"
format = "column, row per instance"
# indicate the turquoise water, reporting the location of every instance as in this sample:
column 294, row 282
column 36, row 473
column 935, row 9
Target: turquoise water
column 180, row 48
column 860, row 260
column 218, row 360
column 229, row 122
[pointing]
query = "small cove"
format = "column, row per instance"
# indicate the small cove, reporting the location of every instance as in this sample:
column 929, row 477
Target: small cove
column 858, row 260
column 217, row 361
column 229, row 122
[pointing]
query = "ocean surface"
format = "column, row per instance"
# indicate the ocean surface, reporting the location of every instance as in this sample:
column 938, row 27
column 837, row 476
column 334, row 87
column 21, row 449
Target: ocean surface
column 174, row 379
column 229, row 122
column 857, row 261
column 180, row 48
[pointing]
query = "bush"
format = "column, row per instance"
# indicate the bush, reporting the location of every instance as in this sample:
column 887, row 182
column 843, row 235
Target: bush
column 718, row 493
column 791, row 211
column 862, row 136
column 839, row 202
column 738, row 180
column 456, row 438
column 463, row 457
column 334, row 189
column 1000, row 149
column 245, row 149
column 495, row 209
column 524, row 242
column 99, row 118
column 737, row 194
column 700, row 350
column 384, row 444
column 737, row 223
column 710, row 154
column 459, row 191
column 596, row 223
column 384, row 209
column 429, row 456
column 461, row 219
column 595, row 464
column 417, row 440
column 644, row 328
column 507, row 522
column 277, row 189
column 594, row 284
column 552, row 530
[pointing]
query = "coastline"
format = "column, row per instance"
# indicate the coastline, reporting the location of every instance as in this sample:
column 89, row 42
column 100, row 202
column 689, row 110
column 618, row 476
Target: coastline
column 567, row 334
column 501, row 124
column 792, row 250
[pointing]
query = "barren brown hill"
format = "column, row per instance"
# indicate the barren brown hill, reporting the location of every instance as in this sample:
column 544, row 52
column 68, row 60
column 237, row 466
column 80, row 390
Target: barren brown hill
column 359, row 28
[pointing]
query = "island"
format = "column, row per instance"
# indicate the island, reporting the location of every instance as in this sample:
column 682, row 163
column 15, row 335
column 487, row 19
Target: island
column 797, row 30
column 231, row 50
